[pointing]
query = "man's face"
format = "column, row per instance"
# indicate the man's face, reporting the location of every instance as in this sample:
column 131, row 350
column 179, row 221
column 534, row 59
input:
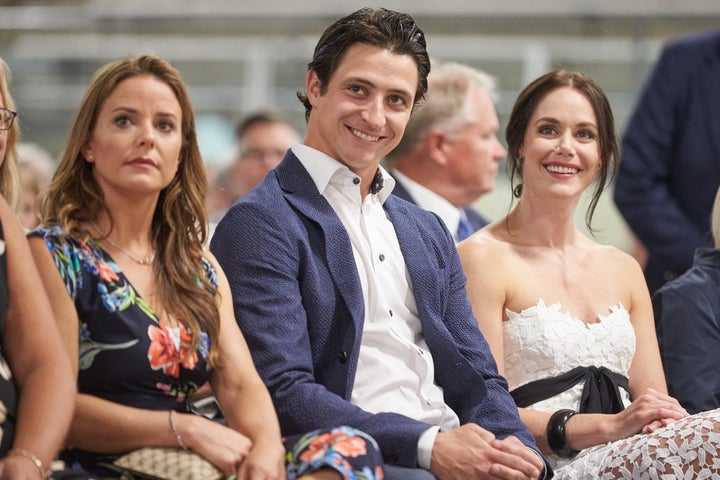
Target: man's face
column 474, row 151
column 262, row 147
column 364, row 109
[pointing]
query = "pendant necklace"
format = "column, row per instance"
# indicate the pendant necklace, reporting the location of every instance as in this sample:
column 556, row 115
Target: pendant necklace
column 142, row 261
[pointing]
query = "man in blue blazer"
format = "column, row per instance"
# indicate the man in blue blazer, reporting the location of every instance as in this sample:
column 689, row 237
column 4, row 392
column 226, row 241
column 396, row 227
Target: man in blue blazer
column 670, row 168
column 352, row 301
column 450, row 153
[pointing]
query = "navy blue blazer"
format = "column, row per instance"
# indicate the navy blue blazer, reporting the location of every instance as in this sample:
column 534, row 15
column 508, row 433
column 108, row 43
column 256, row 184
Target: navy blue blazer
column 477, row 221
column 670, row 168
column 299, row 302
column 687, row 319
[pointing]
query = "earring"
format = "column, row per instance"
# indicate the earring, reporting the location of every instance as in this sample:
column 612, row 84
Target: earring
column 517, row 191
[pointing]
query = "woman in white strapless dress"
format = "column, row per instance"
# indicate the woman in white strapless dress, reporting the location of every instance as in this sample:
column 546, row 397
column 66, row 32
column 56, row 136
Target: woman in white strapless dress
column 560, row 309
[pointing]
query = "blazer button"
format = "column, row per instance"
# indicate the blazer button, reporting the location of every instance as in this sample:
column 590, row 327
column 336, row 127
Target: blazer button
column 342, row 356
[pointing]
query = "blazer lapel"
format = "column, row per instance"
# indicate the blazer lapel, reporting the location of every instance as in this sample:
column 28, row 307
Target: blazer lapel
column 422, row 262
column 300, row 191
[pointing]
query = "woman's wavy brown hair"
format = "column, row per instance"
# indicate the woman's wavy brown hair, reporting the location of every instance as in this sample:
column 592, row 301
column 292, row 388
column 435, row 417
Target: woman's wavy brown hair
column 179, row 224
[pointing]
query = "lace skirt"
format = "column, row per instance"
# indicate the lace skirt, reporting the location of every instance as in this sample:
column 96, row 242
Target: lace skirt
column 686, row 449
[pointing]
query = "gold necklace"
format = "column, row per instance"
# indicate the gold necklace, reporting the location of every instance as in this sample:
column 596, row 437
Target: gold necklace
column 142, row 261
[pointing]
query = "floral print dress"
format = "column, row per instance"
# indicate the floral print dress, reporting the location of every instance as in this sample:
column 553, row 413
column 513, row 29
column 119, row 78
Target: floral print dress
column 128, row 356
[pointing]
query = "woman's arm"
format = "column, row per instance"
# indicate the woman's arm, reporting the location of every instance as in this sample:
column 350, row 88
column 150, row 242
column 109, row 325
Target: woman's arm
column 62, row 306
column 242, row 395
column 646, row 369
column 39, row 364
column 486, row 290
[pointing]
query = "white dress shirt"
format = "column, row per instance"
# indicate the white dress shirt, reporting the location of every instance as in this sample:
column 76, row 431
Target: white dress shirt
column 396, row 372
column 432, row 202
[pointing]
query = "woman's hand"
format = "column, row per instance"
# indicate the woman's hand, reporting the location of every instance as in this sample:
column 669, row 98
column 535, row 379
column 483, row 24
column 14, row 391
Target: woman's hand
column 224, row 447
column 265, row 462
column 647, row 413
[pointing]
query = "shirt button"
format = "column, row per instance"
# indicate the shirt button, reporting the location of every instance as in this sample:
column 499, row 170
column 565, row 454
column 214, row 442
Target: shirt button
column 390, row 312
column 356, row 181
column 342, row 356
column 382, row 257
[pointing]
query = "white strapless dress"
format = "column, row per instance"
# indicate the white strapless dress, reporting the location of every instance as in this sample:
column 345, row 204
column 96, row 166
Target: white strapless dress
column 543, row 341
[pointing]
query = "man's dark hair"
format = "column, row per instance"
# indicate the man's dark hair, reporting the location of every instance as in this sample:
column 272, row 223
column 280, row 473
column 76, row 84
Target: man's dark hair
column 393, row 31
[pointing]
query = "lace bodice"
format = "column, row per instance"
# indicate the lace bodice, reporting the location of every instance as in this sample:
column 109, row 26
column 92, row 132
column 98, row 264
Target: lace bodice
column 543, row 341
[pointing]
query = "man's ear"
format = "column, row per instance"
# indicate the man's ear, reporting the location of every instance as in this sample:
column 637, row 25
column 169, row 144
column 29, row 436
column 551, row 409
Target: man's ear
column 436, row 143
column 313, row 86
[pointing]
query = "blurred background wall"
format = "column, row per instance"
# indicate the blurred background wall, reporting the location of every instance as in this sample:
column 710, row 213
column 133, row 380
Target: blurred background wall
column 239, row 55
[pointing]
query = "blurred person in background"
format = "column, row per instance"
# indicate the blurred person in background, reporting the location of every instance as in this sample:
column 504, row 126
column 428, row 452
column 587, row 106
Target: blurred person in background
column 670, row 168
column 35, row 167
column 9, row 137
column 263, row 138
column 687, row 318
column 449, row 154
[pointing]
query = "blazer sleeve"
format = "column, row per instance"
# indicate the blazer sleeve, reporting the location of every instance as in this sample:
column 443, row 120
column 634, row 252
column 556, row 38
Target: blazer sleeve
column 260, row 248
column 644, row 191
column 687, row 317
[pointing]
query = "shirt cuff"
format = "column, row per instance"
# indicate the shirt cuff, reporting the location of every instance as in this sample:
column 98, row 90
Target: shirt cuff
column 425, row 446
column 544, row 473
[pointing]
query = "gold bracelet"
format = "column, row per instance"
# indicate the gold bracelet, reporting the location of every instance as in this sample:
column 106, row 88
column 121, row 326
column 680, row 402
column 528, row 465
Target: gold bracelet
column 175, row 432
column 30, row 456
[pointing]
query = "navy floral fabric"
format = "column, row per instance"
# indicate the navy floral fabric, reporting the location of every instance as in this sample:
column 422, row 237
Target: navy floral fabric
column 128, row 356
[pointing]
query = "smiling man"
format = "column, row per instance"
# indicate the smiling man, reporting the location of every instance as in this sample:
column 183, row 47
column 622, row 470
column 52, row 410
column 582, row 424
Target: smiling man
column 352, row 300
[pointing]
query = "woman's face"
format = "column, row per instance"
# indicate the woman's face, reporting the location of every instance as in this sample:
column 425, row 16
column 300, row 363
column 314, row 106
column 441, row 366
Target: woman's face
column 561, row 147
column 3, row 135
column 137, row 140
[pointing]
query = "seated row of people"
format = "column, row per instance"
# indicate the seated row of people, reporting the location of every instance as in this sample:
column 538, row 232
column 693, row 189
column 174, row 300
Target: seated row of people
column 360, row 352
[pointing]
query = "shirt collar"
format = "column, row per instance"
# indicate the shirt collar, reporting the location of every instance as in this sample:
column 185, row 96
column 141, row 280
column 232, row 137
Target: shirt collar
column 431, row 201
column 324, row 170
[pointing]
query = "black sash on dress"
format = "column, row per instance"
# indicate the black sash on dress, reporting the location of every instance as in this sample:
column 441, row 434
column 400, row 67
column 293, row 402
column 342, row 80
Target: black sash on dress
column 601, row 392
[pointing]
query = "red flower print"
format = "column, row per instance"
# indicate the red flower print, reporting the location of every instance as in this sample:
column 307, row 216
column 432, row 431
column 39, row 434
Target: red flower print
column 350, row 446
column 339, row 441
column 163, row 354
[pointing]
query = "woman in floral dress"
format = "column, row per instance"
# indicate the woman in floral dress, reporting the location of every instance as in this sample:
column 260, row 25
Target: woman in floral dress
column 144, row 310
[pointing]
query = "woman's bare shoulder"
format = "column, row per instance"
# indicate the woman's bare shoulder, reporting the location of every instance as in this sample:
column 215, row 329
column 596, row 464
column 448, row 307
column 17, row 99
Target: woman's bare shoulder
column 489, row 244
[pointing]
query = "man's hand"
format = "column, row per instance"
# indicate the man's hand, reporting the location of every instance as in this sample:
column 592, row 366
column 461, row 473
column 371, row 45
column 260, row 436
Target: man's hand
column 471, row 452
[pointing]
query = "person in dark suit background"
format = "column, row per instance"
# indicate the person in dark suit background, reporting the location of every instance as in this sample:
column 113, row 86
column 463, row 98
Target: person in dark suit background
column 449, row 154
column 352, row 300
column 687, row 319
column 670, row 167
